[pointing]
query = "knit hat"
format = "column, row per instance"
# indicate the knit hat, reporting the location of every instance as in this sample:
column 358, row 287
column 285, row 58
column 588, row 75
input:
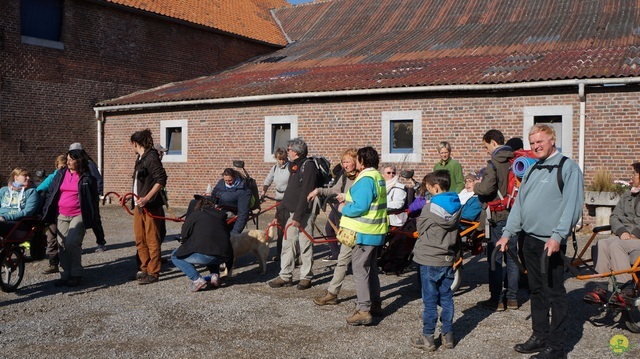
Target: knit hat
column 76, row 146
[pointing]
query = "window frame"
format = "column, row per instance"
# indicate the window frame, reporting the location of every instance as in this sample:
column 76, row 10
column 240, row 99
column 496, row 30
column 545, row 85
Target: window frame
column 415, row 155
column 564, row 111
column 184, row 126
column 269, row 121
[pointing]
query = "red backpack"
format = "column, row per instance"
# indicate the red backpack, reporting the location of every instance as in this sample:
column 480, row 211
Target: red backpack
column 505, row 202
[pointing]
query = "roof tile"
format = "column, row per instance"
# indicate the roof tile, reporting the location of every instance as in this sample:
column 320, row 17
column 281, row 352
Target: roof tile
column 248, row 18
column 341, row 45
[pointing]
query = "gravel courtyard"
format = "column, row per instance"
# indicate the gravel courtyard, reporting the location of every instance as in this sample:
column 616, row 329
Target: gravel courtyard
column 110, row 315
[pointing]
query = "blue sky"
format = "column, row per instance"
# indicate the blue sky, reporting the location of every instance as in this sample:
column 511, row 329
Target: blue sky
column 298, row 1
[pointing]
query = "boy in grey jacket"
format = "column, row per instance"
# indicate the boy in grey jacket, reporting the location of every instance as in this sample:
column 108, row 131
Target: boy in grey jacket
column 434, row 252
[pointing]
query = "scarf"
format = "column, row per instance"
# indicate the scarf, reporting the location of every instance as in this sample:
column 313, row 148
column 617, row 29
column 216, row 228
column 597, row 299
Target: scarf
column 392, row 182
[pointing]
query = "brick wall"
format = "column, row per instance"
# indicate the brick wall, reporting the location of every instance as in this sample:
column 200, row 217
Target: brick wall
column 47, row 95
column 217, row 136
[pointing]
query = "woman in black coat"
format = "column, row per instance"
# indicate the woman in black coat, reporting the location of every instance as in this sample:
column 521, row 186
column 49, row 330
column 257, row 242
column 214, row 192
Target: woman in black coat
column 205, row 237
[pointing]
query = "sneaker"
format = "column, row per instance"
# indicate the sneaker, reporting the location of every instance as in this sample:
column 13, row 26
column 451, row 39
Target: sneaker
column 360, row 318
column 424, row 342
column 100, row 248
column 52, row 269
column 279, row 282
column 148, row 279
column 597, row 296
column 329, row 259
column 327, row 299
column 447, row 340
column 197, row 284
column 304, row 284
column 496, row 305
column 215, row 280
column 512, row 304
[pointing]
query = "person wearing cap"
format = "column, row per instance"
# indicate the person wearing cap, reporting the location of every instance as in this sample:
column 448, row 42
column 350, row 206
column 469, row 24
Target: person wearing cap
column 149, row 177
column 93, row 169
column 494, row 186
column 613, row 252
column 454, row 167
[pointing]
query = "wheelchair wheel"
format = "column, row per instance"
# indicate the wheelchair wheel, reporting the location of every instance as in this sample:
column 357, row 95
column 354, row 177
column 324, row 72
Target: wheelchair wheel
column 457, row 279
column 11, row 269
column 631, row 318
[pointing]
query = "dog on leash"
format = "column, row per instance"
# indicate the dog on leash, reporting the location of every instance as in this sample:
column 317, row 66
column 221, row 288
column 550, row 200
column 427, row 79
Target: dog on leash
column 254, row 241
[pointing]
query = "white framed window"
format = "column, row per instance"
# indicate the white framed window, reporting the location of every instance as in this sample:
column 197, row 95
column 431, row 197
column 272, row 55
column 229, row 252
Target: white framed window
column 277, row 131
column 558, row 117
column 402, row 136
column 173, row 136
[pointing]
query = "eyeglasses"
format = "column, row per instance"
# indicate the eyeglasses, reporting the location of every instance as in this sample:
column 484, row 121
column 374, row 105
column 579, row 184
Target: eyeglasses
column 390, row 173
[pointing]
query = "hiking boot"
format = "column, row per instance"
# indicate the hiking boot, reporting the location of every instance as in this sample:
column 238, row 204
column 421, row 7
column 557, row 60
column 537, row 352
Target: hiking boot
column 447, row 340
column 215, row 280
column 148, row 279
column 532, row 345
column 197, row 284
column 424, row 342
column 496, row 305
column 304, row 284
column 140, row 275
column 327, row 299
column 376, row 309
column 74, row 282
column 279, row 283
column 360, row 318
column 512, row 304
column 52, row 269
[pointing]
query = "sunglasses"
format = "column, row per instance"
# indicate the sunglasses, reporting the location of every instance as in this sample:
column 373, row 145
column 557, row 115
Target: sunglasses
column 390, row 173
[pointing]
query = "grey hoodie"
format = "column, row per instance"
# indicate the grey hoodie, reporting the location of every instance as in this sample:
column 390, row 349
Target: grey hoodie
column 438, row 229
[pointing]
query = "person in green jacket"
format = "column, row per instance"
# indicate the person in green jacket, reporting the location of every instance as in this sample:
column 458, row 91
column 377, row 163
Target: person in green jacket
column 448, row 163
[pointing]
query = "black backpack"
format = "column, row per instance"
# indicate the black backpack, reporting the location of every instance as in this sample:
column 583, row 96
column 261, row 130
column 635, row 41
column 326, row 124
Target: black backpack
column 324, row 170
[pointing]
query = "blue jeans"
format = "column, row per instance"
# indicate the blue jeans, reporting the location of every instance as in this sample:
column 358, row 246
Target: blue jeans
column 186, row 265
column 498, row 278
column 436, row 289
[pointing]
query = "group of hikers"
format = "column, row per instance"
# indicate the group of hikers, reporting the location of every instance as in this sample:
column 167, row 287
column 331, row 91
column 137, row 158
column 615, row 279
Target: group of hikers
column 370, row 198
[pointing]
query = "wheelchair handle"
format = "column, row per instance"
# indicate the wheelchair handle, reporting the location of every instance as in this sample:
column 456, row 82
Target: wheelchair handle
column 544, row 263
column 510, row 253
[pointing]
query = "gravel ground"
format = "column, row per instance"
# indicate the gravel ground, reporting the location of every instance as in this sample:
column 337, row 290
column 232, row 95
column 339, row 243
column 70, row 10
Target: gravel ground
column 112, row 316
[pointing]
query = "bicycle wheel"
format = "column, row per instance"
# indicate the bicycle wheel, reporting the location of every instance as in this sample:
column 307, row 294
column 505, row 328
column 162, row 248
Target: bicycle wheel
column 11, row 269
column 631, row 317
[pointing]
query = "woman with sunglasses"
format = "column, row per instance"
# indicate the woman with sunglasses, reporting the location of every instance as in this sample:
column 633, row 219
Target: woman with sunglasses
column 396, row 196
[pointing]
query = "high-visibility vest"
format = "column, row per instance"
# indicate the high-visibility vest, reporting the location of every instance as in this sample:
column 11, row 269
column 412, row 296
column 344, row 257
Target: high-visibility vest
column 375, row 221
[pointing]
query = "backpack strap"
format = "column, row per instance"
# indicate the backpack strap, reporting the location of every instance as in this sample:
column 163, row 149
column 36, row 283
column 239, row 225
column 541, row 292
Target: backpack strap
column 538, row 166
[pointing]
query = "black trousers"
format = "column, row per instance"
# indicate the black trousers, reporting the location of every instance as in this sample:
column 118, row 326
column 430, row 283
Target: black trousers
column 548, row 294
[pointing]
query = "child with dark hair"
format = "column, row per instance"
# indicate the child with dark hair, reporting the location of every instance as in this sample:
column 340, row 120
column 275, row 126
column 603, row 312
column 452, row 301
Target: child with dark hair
column 434, row 252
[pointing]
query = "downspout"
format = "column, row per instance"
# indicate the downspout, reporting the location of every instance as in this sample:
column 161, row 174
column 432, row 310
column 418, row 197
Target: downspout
column 99, row 119
column 583, row 115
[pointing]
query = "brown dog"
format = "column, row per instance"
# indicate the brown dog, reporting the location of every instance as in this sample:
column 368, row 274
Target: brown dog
column 254, row 241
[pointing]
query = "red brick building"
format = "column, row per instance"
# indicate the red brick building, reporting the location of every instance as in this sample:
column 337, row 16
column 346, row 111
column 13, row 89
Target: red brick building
column 58, row 58
column 401, row 76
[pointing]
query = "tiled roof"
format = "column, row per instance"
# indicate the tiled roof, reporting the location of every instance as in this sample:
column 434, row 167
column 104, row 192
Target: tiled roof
column 373, row 44
column 247, row 18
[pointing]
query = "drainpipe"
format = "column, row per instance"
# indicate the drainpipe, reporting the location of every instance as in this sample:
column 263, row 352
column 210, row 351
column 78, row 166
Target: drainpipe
column 99, row 119
column 583, row 115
